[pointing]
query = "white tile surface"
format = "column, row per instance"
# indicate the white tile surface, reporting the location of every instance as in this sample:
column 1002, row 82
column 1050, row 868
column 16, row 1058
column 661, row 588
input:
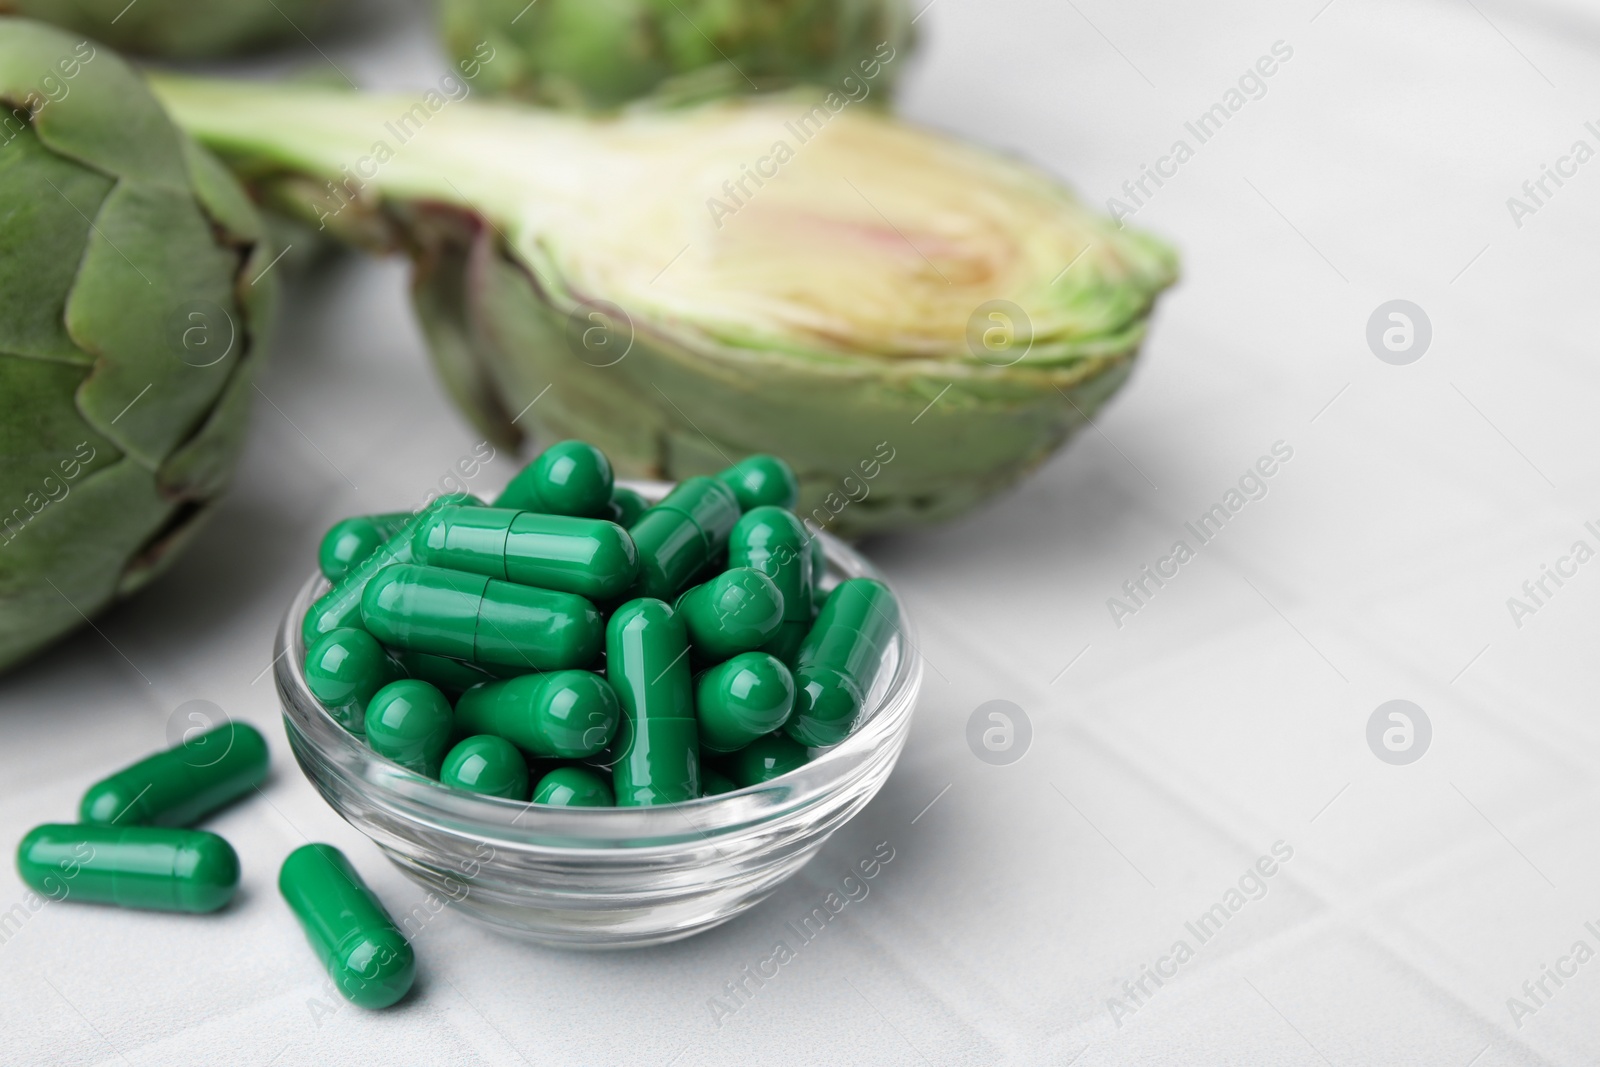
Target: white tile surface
column 1225, row 716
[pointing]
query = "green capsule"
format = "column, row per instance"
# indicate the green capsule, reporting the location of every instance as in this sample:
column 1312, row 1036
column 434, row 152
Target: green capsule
column 563, row 714
column 480, row 619
column 486, row 764
column 366, row 955
column 772, row 541
column 626, row 506
column 819, row 568
column 352, row 540
column 130, row 866
column 738, row 610
column 760, row 481
column 343, row 669
column 658, row 746
column 740, row 700
column 839, row 661
column 594, row 558
column 568, row 478
column 341, row 605
column 184, row 784
column 714, row 783
column 574, row 787
column 764, row 759
column 449, row 676
column 683, row 533
column 411, row 723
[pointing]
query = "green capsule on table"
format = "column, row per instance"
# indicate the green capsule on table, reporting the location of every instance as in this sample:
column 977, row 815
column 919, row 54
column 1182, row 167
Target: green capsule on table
column 764, row 759
column 411, row 723
column 131, row 866
column 480, row 619
column 366, row 955
column 683, row 533
column 183, row 784
column 739, row 700
column 486, row 764
column 594, row 558
column 574, row 787
column 626, row 506
column 449, row 676
column 658, row 744
column 714, row 783
column 772, row 541
column 343, row 669
column 839, row 661
column 568, row 478
column 760, row 481
column 352, row 540
column 738, row 610
column 562, row 714
column 341, row 606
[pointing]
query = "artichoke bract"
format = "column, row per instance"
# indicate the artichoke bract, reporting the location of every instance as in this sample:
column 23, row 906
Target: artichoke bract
column 600, row 54
column 911, row 322
column 129, row 327
column 181, row 29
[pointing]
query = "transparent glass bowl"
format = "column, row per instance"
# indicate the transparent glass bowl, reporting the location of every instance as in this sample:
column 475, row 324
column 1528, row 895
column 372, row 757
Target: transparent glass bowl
column 600, row 877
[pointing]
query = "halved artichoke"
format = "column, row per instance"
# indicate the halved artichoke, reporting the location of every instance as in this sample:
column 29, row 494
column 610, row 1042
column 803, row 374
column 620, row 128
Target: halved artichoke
column 129, row 332
column 181, row 29
column 599, row 54
column 911, row 322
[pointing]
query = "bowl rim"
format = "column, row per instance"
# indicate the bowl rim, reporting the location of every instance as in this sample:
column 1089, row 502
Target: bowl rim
column 431, row 806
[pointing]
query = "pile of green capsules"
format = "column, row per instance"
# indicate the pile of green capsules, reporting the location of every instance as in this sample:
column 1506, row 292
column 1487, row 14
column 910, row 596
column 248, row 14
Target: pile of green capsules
column 572, row 645
column 135, row 846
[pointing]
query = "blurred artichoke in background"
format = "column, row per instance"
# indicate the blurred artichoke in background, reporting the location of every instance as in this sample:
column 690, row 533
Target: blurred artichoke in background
column 129, row 332
column 600, row 54
column 181, row 29
column 911, row 322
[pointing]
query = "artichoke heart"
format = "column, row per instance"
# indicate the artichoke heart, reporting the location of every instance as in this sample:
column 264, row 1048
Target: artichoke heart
column 911, row 322
column 131, row 314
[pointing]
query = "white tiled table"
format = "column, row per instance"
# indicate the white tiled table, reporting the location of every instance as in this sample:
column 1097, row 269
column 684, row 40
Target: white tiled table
column 1227, row 715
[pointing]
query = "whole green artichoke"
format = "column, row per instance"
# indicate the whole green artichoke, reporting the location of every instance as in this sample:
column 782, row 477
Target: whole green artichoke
column 911, row 322
column 131, row 312
column 181, row 29
column 600, row 54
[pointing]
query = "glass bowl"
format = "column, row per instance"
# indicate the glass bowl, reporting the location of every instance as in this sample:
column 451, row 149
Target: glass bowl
column 601, row 877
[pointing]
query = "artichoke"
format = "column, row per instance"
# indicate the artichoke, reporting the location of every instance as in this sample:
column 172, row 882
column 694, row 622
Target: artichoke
column 128, row 330
column 911, row 322
column 186, row 29
column 599, row 54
